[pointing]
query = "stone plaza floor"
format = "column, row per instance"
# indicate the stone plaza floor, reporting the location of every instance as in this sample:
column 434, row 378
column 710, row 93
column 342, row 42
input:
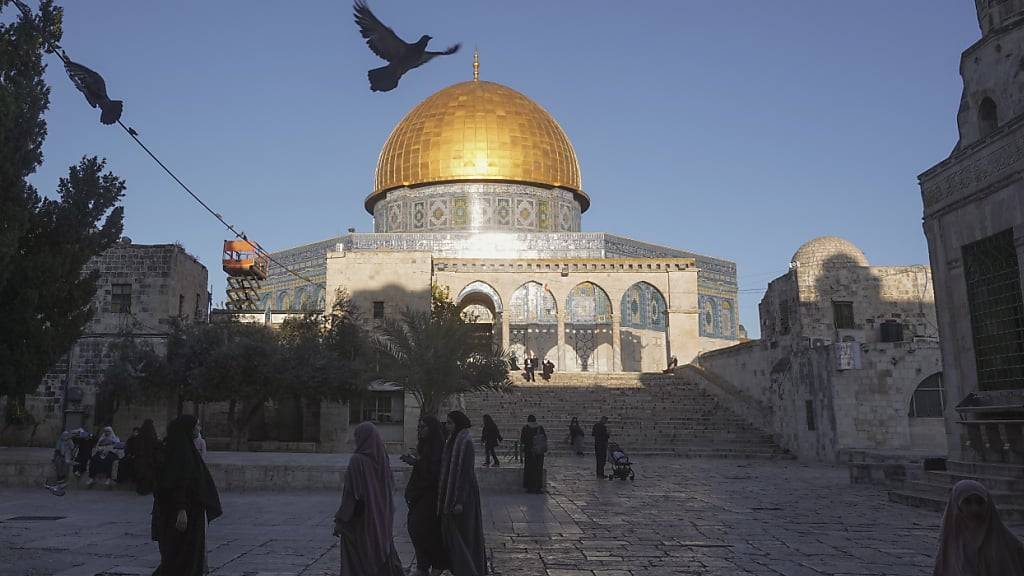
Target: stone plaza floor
column 714, row 517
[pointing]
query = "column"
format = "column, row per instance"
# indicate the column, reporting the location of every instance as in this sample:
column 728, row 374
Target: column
column 616, row 344
column 561, row 342
column 506, row 332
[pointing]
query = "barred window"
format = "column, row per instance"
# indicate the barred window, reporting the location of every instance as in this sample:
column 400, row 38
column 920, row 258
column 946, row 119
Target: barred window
column 928, row 401
column 992, row 275
column 842, row 314
column 121, row 298
column 378, row 310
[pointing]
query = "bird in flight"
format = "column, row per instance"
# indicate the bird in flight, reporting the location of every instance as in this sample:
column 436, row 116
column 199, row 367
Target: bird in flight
column 400, row 55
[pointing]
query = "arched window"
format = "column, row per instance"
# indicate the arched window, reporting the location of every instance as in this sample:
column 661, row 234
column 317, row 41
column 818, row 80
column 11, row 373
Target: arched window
column 588, row 303
column 283, row 300
column 532, row 303
column 481, row 288
column 643, row 306
column 988, row 117
column 928, row 401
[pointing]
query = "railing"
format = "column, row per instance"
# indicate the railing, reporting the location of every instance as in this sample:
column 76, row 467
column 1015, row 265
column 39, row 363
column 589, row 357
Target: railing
column 992, row 433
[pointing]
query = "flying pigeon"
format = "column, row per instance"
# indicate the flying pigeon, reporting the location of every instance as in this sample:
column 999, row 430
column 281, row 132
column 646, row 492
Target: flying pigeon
column 90, row 83
column 400, row 55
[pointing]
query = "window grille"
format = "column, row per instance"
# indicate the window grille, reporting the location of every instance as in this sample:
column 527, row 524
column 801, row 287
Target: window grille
column 378, row 310
column 121, row 298
column 928, row 400
column 997, row 312
column 842, row 314
column 784, row 317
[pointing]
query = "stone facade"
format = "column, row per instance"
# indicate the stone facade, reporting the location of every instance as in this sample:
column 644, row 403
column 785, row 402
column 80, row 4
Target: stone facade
column 140, row 288
column 974, row 222
column 848, row 357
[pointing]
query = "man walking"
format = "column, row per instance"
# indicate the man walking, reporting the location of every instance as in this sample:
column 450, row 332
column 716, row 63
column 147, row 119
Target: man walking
column 600, row 434
column 531, row 367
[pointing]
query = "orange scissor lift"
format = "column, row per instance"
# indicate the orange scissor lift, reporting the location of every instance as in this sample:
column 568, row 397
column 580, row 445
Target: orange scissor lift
column 245, row 268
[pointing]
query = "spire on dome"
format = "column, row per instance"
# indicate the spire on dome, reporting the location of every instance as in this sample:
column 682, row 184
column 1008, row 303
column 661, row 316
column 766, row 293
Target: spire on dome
column 476, row 65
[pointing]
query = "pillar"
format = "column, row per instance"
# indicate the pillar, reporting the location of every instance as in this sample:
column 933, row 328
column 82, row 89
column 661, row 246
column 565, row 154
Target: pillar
column 616, row 344
column 561, row 341
column 506, row 332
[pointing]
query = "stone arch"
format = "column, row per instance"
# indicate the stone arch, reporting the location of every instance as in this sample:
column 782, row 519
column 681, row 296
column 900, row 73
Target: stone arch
column 925, row 409
column 588, row 329
column 480, row 304
column 644, row 329
column 533, row 320
column 284, row 300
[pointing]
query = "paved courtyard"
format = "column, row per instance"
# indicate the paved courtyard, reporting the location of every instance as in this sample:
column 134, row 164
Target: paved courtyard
column 679, row 517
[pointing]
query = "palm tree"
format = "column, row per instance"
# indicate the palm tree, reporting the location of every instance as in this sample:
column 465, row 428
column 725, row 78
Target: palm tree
column 432, row 356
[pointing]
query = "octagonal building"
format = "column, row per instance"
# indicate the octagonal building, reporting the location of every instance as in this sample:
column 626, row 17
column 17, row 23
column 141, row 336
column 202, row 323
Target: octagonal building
column 479, row 190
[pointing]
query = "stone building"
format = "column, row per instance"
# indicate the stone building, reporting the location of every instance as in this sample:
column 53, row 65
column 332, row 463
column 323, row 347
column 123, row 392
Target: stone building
column 140, row 288
column 478, row 189
column 848, row 357
column 974, row 222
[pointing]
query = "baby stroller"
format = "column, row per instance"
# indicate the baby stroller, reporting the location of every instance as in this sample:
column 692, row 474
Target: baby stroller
column 622, row 468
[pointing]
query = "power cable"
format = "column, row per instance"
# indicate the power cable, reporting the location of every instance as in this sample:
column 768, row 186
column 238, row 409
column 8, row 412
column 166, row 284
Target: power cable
column 56, row 48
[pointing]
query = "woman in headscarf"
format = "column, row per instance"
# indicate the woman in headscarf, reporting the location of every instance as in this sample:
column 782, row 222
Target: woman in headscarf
column 145, row 457
column 973, row 540
column 458, row 502
column 185, row 500
column 533, row 455
column 103, row 456
column 365, row 519
column 490, row 437
column 576, row 435
column 421, row 497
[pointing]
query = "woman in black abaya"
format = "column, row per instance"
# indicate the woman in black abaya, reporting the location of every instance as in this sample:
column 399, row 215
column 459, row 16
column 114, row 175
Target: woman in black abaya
column 421, row 497
column 458, row 502
column 184, row 501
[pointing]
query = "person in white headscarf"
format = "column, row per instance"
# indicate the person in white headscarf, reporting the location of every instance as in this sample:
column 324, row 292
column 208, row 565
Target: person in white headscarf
column 973, row 540
column 107, row 451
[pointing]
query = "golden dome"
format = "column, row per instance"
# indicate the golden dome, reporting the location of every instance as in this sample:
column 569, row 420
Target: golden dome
column 475, row 131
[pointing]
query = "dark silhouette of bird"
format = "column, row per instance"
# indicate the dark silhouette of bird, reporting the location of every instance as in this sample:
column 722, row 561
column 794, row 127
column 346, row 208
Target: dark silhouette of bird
column 400, row 55
column 90, row 83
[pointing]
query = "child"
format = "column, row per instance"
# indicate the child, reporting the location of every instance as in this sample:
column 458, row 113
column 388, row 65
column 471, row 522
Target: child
column 63, row 457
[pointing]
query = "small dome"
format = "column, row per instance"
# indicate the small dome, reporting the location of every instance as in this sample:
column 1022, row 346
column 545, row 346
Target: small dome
column 829, row 250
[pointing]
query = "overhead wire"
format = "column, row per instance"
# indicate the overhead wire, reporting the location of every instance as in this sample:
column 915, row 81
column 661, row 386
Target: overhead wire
column 57, row 49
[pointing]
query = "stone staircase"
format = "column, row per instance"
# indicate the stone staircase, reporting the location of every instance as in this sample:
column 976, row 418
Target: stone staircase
column 931, row 489
column 647, row 413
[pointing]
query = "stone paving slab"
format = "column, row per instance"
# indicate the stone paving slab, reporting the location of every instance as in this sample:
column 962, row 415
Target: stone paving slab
column 678, row 517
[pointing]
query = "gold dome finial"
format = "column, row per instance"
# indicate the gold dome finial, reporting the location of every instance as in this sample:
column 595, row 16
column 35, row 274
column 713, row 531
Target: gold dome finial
column 476, row 65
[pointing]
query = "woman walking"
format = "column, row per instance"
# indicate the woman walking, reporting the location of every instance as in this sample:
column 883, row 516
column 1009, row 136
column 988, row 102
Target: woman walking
column 185, row 500
column 534, row 442
column 365, row 519
column 144, row 468
column 458, row 502
column 973, row 540
column 490, row 437
column 421, row 497
column 576, row 436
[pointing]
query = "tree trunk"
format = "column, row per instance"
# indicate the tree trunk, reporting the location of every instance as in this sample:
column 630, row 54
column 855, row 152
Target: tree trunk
column 240, row 427
column 231, row 421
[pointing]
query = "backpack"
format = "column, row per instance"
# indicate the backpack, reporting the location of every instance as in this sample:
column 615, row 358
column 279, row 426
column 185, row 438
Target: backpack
column 540, row 443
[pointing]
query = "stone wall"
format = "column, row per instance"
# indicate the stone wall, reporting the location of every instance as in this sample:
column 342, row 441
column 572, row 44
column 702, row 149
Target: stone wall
column 162, row 281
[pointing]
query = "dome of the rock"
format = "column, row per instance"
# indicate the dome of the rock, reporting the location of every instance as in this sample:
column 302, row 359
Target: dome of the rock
column 477, row 131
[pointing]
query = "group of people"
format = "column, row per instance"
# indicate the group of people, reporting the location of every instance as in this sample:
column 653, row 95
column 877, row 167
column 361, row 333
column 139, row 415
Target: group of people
column 443, row 498
column 105, row 457
column 531, row 364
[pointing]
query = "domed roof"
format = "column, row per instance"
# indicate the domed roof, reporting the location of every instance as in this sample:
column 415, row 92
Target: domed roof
column 829, row 250
column 475, row 131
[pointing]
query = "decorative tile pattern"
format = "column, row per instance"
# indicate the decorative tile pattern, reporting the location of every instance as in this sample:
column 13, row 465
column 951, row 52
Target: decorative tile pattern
column 643, row 306
column 478, row 206
column 532, row 303
column 588, row 303
column 437, row 213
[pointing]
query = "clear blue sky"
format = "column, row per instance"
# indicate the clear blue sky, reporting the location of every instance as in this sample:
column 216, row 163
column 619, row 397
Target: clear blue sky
column 737, row 129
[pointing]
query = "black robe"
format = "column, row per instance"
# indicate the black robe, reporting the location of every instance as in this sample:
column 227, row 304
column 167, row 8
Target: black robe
column 533, row 464
column 183, row 483
column 421, row 497
column 463, row 531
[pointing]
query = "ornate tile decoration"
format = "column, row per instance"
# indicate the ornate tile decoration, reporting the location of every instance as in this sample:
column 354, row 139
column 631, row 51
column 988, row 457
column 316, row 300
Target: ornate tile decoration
column 478, row 206
column 643, row 306
column 532, row 303
column 437, row 213
column 588, row 303
column 419, row 215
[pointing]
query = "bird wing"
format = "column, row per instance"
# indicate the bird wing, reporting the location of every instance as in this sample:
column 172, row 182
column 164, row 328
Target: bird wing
column 382, row 40
column 88, row 82
column 429, row 55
